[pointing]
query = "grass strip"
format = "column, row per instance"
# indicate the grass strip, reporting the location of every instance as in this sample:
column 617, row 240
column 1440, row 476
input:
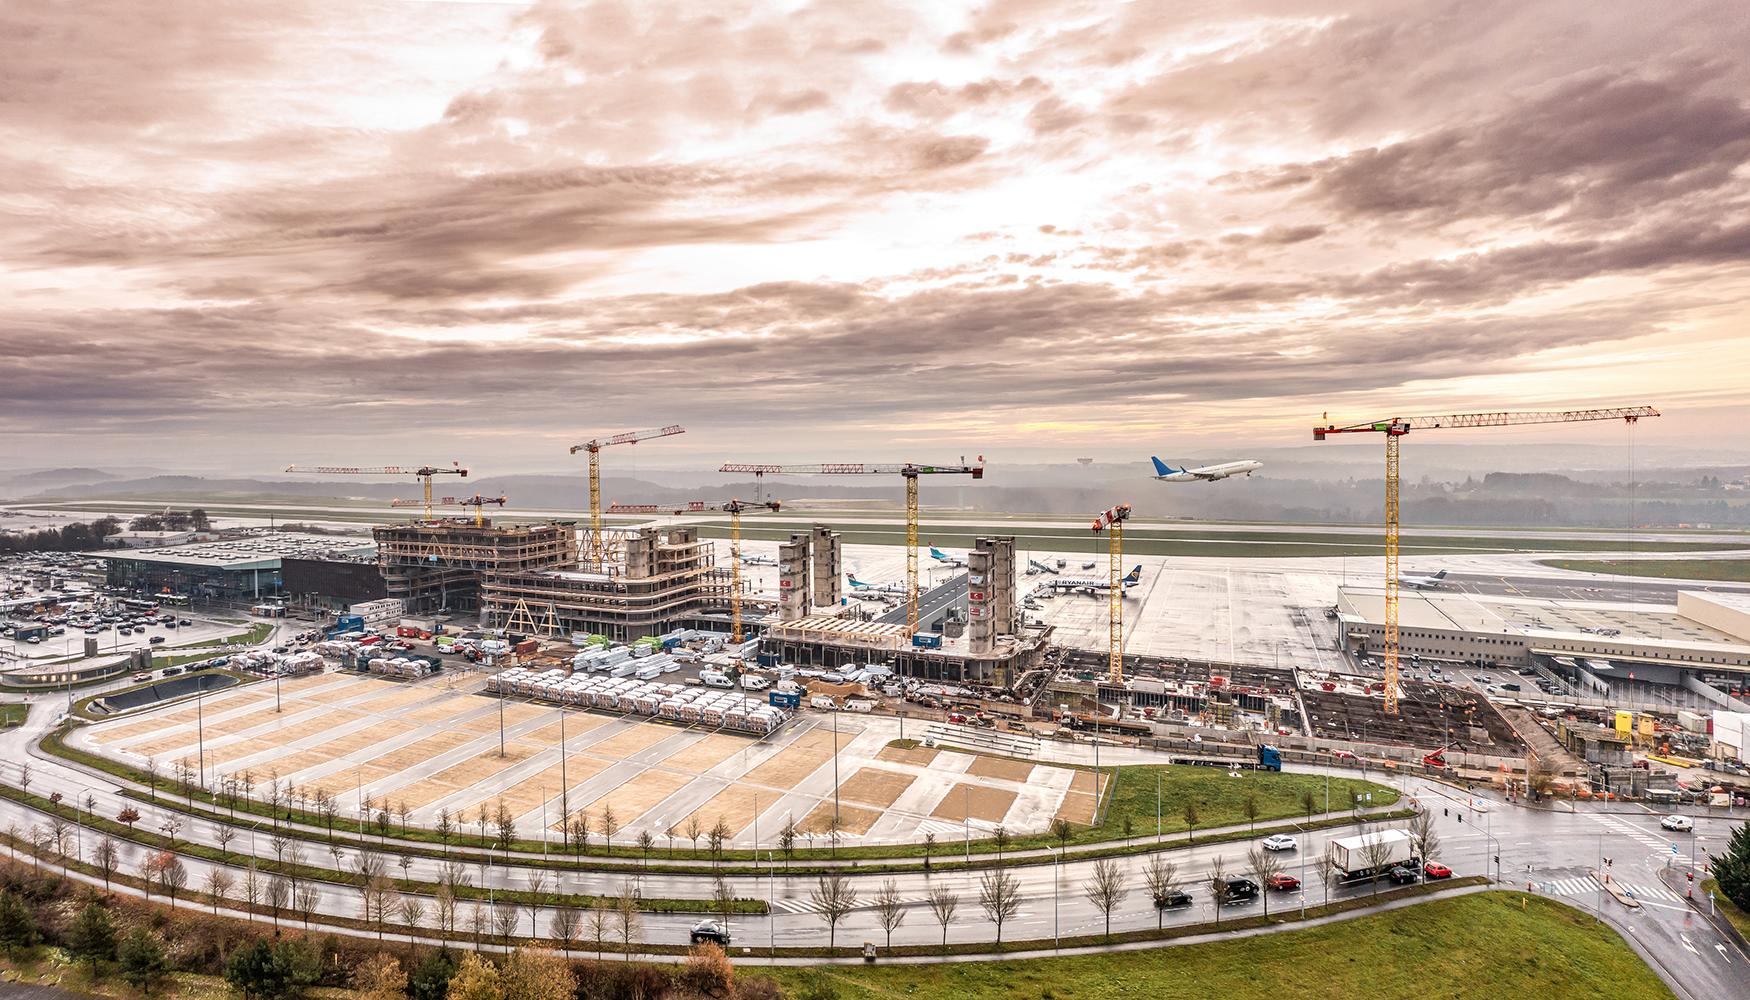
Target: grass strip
column 1724, row 570
column 1490, row 945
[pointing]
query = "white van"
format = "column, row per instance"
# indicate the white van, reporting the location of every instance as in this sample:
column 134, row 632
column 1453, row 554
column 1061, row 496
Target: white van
column 712, row 678
column 754, row 682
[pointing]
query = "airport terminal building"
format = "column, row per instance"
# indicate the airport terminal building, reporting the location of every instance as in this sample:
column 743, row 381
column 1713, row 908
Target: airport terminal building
column 1701, row 644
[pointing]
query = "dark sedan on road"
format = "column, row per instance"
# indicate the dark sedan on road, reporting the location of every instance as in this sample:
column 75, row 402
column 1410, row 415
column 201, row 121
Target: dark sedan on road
column 1400, row 875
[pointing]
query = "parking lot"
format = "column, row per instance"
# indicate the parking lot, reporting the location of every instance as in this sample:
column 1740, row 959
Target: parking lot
column 434, row 744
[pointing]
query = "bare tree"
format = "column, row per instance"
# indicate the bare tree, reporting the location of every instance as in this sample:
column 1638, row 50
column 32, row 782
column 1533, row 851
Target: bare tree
column 504, row 919
column 405, row 811
column 787, row 839
column 477, row 922
column 380, row 898
column 693, row 831
column 306, row 899
column 610, row 826
column 1191, row 818
column 1249, row 806
column 719, row 833
column 565, row 925
column 537, row 879
column 1062, row 829
column 279, row 893
column 1104, row 888
column 171, row 826
column 1424, row 838
column 645, row 843
column 412, row 912
column 943, row 902
column 406, row 862
column 601, row 923
column 1377, row 852
column 929, row 848
column 252, row 889
column 1308, row 804
column 889, row 910
column 834, row 896
column 723, row 900
column 171, row 874
column 445, row 828
column 1218, row 891
column 580, row 832
column 1264, row 866
column 107, row 857
column 444, row 898
column 224, row 833
column 218, row 883
column 24, row 774
column 506, row 827
column 630, row 920
column 1000, row 837
column 999, row 895
column 1161, row 876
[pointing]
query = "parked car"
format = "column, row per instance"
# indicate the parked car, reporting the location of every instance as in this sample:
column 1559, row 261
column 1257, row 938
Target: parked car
column 1683, row 823
column 142, row 678
column 172, row 671
column 1283, row 882
column 1280, row 842
column 1172, row 897
column 1400, row 875
column 1435, row 869
column 712, row 931
column 1342, row 755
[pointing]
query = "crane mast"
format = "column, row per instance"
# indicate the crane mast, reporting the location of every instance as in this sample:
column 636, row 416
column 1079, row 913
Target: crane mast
column 911, row 471
column 1113, row 520
column 424, row 472
column 592, row 545
column 1394, row 429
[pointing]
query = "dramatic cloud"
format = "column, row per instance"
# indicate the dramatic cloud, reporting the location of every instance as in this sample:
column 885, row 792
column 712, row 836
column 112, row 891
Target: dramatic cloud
column 854, row 228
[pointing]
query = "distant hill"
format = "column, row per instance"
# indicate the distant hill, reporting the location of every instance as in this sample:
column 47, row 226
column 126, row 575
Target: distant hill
column 63, row 476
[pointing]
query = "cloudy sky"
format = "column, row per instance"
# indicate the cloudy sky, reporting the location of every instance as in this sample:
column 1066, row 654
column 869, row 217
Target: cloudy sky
column 245, row 235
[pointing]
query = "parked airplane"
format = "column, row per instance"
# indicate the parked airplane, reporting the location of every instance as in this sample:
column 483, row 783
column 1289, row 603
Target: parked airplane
column 1041, row 567
column 944, row 558
column 876, row 588
column 1207, row 473
column 1093, row 585
column 1422, row 582
column 758, row 561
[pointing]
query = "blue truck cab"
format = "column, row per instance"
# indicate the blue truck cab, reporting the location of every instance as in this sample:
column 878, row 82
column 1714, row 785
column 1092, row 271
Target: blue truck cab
column 1269, row 758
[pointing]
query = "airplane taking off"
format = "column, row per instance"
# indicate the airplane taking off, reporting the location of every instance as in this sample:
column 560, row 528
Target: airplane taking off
column 1093, row 585
column 897, row 589
column 758, row 561
column 944, row 558
column 1208, row 473
column 1422, row 582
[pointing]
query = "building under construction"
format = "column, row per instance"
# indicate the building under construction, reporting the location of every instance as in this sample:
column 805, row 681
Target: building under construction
column 989, row 647
column 442, row 565
column 651, row 582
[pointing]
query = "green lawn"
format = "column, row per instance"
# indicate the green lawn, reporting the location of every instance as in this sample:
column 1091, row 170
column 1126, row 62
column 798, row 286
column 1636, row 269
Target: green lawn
column 1733, row 570
column 1478, row 946
column 1221, row 799
column 1739, row 918
column 14, row 714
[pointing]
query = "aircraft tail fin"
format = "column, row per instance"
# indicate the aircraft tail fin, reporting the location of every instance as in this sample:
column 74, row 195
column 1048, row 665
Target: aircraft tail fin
column 1135, row 575
column 1440, row 575
column 854, row 581
column 1162, row 468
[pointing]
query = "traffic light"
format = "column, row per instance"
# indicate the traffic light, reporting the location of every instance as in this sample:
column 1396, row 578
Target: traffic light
column 1497, row 861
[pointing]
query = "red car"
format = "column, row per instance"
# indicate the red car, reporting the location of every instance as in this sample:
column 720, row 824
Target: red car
column 1283, row 882
column 1342, row 755
column 1434, row 869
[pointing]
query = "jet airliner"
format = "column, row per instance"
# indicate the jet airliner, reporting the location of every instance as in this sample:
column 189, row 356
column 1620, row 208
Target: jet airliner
column 1093, row 585
column 944, row 558
column 897, row 589
column 1208, row 473
column 1422, row 582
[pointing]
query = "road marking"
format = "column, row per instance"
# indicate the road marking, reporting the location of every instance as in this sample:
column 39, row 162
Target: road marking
column 1687, row 946
column 1722, row 950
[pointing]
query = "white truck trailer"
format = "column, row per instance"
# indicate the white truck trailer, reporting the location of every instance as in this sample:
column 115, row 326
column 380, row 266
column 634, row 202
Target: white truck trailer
column 1358, row 857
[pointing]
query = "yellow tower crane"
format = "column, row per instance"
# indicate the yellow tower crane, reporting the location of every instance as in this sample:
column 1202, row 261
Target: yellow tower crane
column 1395, row 428
column 592, row 543
column 1113, row 520
column 476, row 501
column 735, row 509
column 911, row 471
column 424, row 472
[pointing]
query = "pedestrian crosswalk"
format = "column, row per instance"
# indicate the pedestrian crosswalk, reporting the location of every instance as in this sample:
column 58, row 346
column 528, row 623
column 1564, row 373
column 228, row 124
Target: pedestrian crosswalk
column 863, row 903
column 1588, row 884
column 1630, row 831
